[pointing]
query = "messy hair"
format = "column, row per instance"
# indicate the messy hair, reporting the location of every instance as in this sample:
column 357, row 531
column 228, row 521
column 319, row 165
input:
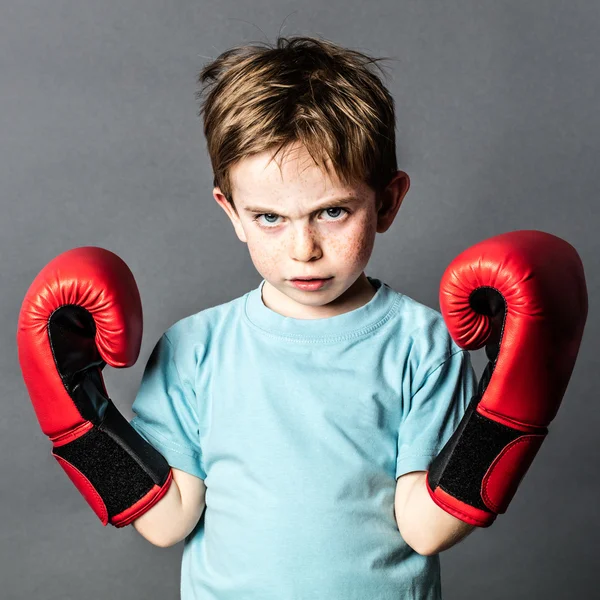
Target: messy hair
column 263, row 96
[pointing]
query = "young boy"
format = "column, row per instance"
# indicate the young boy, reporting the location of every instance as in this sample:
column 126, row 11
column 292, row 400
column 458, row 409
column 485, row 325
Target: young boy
column 299, row 419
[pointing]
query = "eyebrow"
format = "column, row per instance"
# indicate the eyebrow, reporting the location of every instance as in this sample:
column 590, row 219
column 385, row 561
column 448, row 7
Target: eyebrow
column 329, row 204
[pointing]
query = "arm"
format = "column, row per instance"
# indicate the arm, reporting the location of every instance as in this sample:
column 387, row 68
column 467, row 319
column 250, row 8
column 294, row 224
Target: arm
column 176, row 514
column 422, row 523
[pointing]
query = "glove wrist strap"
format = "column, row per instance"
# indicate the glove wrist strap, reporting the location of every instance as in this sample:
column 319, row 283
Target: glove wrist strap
column 477, row 473
column 117, row 471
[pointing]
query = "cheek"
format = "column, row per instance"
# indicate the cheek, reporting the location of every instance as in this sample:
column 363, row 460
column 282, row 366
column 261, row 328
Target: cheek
column 266, row 255
column 356, row 244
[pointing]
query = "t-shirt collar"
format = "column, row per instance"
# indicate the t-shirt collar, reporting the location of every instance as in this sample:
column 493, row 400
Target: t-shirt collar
column 354, row 323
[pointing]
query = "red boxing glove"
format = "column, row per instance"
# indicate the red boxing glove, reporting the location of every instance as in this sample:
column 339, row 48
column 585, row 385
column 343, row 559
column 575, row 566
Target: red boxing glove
column 523, row 295
column 82, row 311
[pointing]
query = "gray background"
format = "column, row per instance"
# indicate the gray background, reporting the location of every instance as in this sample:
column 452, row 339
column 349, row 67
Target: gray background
column 498, row 127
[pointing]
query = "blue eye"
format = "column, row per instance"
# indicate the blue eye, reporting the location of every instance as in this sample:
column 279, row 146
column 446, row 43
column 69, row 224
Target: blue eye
column 271, row 224
column 265, row 215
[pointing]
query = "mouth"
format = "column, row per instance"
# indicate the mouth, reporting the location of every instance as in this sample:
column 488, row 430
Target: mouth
column 310, row 278
column 310, row 285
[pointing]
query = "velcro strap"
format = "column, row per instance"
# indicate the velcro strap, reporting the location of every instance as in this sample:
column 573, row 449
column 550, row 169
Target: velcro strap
column 506, row 472
column 118, row 462
column 484, row 461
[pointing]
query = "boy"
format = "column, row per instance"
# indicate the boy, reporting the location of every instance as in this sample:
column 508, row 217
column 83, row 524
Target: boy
column 299, row 419
column 306, row 439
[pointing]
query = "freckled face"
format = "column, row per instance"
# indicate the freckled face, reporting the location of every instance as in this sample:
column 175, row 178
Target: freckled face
column 302, row 232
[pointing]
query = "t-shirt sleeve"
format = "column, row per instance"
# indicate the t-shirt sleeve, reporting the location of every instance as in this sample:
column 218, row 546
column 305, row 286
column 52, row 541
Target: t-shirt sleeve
column 166, row 410
column 434, row 412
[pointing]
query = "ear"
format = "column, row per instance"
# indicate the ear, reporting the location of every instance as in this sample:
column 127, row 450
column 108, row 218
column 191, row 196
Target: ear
column 391, row 200
column 231, row 212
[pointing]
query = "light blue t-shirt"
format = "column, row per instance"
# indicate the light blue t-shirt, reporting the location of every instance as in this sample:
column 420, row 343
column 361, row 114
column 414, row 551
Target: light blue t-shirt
column 299, row 429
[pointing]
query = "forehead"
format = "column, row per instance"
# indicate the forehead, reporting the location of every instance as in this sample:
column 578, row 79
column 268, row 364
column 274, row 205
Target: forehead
column 292, row 175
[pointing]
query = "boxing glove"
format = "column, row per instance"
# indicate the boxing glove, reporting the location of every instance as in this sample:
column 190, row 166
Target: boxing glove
column 81, row 312
column 523, row 296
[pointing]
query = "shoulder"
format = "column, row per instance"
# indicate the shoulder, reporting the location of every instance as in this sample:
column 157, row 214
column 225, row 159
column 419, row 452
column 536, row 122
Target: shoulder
column 426, row 328
column 189, row 340
column 424, row 338
column 200, row 328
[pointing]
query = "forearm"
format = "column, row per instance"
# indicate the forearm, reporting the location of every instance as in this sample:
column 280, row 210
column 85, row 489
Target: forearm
column 425, row 526
column 171, row 519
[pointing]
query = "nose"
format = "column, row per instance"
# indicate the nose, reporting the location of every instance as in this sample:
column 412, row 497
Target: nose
column 305, row 244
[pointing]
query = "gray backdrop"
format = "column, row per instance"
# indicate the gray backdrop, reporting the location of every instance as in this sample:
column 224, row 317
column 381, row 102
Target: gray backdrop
column 498, row 127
